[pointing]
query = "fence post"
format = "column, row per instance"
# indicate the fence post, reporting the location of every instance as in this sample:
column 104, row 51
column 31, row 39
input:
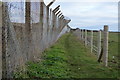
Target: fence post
column 91, row 41
column 82, row 34
column 85, row 37
column 28, row 30
column 99, row 43
column 4, row 39
column 105, row 46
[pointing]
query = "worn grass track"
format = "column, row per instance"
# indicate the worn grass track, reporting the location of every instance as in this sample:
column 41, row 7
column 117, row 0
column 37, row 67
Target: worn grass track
column 68, row 58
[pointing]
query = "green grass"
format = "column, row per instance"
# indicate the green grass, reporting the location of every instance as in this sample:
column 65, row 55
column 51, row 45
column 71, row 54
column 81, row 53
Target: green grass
column 112, row 47
column 0, row 2
column 68, row 58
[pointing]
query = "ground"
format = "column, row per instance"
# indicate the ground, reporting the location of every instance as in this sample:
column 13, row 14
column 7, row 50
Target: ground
column 68, row 58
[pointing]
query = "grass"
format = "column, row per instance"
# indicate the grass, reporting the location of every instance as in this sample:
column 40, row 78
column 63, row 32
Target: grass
column 68, row 58
column 113, row 47
column 0, row 3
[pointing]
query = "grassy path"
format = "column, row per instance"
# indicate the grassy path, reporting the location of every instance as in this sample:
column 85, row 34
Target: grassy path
column 82, row 63
column 68, row 58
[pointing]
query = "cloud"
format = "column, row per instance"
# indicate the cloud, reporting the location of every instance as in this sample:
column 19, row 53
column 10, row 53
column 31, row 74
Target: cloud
column 47, row 1
column 90, row 13
column 89, row 0
column 86, row 13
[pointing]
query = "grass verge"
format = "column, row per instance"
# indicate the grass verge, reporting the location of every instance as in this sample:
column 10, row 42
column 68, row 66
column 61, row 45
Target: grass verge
column 68, row 58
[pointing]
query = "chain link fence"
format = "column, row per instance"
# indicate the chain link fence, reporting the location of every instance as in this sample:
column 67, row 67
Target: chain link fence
column 28, row 29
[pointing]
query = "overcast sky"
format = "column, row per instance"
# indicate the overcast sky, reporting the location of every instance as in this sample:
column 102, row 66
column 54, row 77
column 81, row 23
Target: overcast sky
column 90, row 14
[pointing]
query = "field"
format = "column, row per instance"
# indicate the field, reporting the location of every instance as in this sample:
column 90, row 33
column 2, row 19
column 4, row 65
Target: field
column 69, row 58
column 113, row 47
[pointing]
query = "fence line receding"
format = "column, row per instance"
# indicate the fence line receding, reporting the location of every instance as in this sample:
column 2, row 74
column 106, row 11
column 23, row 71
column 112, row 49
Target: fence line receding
column 28, row 29
column 97, row 44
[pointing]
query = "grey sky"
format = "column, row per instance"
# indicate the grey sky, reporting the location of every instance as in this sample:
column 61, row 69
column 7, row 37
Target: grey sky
column 90, row 15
